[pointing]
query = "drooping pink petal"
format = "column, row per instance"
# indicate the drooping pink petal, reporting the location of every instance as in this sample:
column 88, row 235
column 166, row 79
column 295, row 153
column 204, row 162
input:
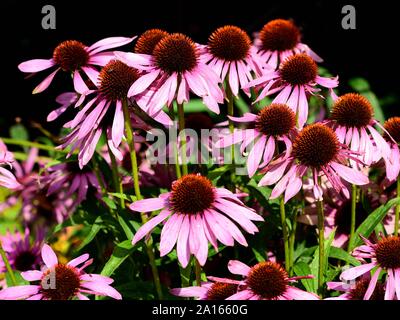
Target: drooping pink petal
column 79, row 85
column 372, row 284
column 390, row 285
column 182, row 247
column 45, row 83
column 143, row 83
column 255, row 156
column 351, row 175
column 169, row 233
column 118, row 124
column 149, row 225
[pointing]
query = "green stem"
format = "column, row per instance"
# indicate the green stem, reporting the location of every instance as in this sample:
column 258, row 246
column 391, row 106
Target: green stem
column 8, row 266
column 181, row 123
column 177, row 166
column 198, row 272
column 229, row 96
column 353, row 215
column 397, row 210
column 284, row 231
column 30, row 144
column 292, row 239
column 135, row 177
column 321, row 242
column 117, row 181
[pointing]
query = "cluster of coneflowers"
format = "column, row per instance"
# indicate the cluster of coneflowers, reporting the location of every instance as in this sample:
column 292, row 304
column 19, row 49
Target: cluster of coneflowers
column 324, row 165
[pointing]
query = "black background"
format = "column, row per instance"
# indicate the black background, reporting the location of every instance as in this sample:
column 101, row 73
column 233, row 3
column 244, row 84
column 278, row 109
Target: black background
column 370, row 51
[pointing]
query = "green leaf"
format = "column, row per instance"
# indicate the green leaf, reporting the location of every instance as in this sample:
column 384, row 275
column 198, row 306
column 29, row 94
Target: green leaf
column 94, row 230
column 129, row 226
column 121, row 251
column 339, row 253
column 359, row 84
column 123, row 196
column 315, row 263
column 362, row 86
column 20, row 281
column 215, row 174
column 110, row 203
column 241, row 105
column 369, row 224
column 302, row 269
column 259, row 256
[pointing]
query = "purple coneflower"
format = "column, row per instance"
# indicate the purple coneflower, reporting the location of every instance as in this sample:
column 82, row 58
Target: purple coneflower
column 280, row 39
column 173, row 70
column 230, row 54
column 383, row 256
column 69, row 178
column 197, row 213
column 272, row 124
column 74, row 57
column 316, row 148
column 22, row 254
column 296, row 77
column 58, row 281
column 352, row 119
column 103, row 112
column 264, row 281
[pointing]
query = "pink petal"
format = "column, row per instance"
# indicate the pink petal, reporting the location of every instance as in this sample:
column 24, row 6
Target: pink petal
column 149, row 225
column 79, row 260
column 355, row 272
column 143, row 83
column 297, row 294
column 18, row 292
column 101, row 288
column 118, row 124
column 182, row 246
column 45, row 83
column 255, row 156
column 148, row 205
column 189, row 292
column 79, row 84
column 349, row 174
column 241, row 295
column 372, row 284
column 48, row 256
column 109, row 43
column 169, row 233
column 33, row 275
column 238, row 267
column 36, row 65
